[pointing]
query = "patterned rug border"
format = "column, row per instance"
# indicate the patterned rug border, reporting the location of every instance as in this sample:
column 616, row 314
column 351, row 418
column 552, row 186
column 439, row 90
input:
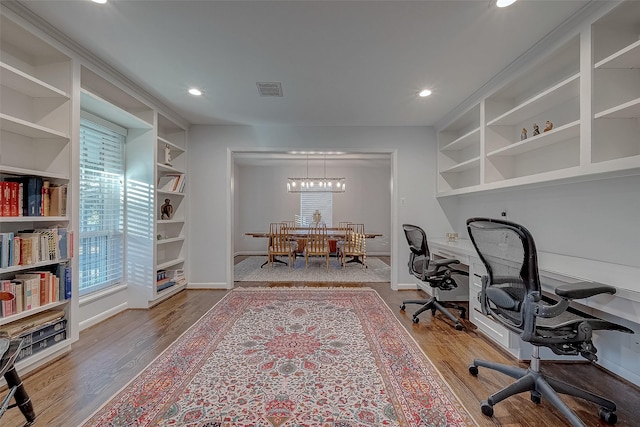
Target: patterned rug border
column 228, row 295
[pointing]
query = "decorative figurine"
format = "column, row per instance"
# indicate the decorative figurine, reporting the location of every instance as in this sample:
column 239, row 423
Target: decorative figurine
column 548, row 126
column 166, row 210
column 167, row 155
column 523, row 135
column 536, row 130
column 317, row 216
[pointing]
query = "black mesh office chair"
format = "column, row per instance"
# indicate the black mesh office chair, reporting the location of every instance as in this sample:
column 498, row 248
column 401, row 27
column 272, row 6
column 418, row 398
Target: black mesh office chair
column 436, row 273
column 511, row 295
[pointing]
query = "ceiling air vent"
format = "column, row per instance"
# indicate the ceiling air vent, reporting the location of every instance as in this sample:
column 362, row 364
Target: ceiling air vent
column 269, row 88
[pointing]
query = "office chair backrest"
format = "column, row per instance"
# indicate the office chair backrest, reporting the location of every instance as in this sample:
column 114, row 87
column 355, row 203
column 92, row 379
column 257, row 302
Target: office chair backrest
column 512, row 285
column 417, row 239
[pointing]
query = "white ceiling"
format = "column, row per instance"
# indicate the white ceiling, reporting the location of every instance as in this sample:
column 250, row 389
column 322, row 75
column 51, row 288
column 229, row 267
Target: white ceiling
column 339, row 62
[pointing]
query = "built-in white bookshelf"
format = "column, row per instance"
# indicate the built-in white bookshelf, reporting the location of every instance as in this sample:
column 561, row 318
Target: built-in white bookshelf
column 616, row 86
column 36, row 146
column 170, row 224
column 597, row 70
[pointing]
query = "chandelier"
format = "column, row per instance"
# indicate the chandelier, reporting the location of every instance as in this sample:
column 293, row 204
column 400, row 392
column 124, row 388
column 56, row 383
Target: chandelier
column 316, row 185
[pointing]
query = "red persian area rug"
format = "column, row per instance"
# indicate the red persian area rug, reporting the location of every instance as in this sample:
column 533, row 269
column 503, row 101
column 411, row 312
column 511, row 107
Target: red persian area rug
column 289, row 357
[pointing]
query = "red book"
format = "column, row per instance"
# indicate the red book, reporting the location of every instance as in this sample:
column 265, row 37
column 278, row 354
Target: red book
column 13, row 199
column 5, row 197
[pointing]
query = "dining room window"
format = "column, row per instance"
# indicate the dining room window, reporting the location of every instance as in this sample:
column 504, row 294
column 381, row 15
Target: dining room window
column 312, row 201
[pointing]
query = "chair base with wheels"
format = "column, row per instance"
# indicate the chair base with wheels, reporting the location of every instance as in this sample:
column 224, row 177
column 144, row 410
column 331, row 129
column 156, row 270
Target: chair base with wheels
column 540, row 386
column 434, row 305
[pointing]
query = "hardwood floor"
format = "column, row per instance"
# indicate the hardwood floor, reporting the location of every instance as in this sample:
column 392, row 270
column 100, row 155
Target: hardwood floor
column 109, row 354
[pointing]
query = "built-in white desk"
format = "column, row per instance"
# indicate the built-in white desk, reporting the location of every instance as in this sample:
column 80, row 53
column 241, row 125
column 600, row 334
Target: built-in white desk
column 554, row 269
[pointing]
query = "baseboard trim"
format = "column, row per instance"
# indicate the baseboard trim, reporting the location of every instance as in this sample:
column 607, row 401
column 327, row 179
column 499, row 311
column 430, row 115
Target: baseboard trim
column 103, row 316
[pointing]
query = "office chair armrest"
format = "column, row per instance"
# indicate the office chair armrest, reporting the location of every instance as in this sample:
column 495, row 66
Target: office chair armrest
column 583, row 290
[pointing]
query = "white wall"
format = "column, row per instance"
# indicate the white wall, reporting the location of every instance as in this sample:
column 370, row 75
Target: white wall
column 594, row 220
column 262, row 198
column 414, row 163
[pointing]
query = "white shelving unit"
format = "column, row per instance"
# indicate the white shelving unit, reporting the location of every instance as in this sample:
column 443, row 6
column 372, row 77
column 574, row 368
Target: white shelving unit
column 459, row 153
column 35, row 141
column 171, row 232
column 616, row 86
column 596, row 71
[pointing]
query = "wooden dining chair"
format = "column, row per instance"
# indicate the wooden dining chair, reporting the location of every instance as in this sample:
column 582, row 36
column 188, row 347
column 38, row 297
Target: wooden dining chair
column 291, row 225
column 279, row 243
column 355, row 245
column 317, row 244
column 343, row 226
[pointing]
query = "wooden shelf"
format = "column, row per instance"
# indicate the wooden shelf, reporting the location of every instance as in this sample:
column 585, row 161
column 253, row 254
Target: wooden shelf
column 173, row 146
column 10, row 170
column 33, row 218
column 467, row 140
column 628, row 110
column 31, row 130
column 164, row 265
column 17, row 268
column 555, row 95
column 167, row 168
column 28, row 85
column 171, row 240
column 171, row 193
column 460, row 167
column 629, row 57
column 562, row 133
column 28, row 313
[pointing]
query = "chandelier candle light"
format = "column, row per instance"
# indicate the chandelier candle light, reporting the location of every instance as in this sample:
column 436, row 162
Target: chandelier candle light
column 318, row 185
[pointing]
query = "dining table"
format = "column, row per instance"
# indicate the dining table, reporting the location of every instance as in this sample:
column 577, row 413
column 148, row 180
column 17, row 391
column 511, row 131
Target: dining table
column 301, row 233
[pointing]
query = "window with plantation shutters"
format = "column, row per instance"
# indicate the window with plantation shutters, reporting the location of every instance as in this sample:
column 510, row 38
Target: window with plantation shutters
column 312, row 201
column 101, row 237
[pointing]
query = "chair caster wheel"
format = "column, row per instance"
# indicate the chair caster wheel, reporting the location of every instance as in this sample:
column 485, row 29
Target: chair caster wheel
column 607, row 416
column 473, row 370
column 402, row 307
column 536, row 398
column 458, row 327
column 416, row 320
column 486, row 408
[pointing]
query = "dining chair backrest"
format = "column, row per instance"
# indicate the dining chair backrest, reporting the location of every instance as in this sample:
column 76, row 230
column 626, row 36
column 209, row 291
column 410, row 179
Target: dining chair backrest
column 279, row 237
column 317, row 242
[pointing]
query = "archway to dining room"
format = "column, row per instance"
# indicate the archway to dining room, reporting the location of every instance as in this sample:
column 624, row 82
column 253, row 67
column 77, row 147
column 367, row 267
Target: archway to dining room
column 257, row 196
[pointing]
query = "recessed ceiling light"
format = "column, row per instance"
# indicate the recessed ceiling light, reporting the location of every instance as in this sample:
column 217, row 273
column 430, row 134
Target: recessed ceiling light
column 99, row 1
column 504, row 3
column 195, row 92
column 425, row 92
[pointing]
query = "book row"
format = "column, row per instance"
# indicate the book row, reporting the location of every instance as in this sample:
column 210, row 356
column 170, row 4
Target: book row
column 35, row 289
column 172, row 182
column 34, row 246
column 32, row 196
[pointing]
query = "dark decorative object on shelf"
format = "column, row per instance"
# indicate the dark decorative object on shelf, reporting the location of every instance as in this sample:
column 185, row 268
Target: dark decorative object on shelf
column 523, row 135
column 166, row 210
column 548, row 126
column 536, row 130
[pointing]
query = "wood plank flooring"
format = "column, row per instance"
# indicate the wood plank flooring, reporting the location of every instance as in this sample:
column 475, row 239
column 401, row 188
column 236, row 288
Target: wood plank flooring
column 110, row 354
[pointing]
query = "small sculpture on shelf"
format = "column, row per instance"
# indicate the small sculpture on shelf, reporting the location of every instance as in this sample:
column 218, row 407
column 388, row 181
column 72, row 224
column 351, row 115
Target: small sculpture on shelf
column 317, row 216
column 536, row 129
column 548, row 126
column 167, row 155
column 166, row 210
column 523, row 135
